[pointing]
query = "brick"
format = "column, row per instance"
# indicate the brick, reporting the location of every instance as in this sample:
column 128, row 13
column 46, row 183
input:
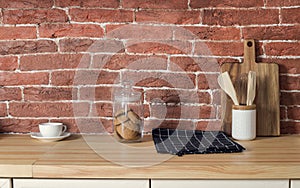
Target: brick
column 177, row 96
column 194, row 64
column 229, row 17
column 290, row 98
column 221, row 61
column 78, row 125
column 48, row 109
column 182, row 112
column 173, row 17
column 70, row 30
column 80, row 109
column 94, row 125
column 105, row 60
column 102, row 109
column 218, row 109
column 280, row 3
column 226, row 3
column 206, row 33
column 49, row 94
column 171, row 111
column 259, row 49
column 26, row 4
column 104, row 93
column 88, row 45
column 100, row 93
column 153, row 4
column 283, row 48
column 291, row 15
column 62, row 78
column 12, row 33
column 158, row 79
column 83, row 77
column 34, row 16
column 8, row 63
column 289, row 82
column 101, row 15
column 171, row 124
column 12, row 78
column 207, row 112
column 3, row 110
column 27, row 47
column 111, row 27
column 88, row 3
column 283, row 113
column 146, row 108
column 272, row 33
column 216, row 97
column 76, row 45
column 184, row 64
column 293, row 113
column 219, row 48
column 10, row 94
column 160, row 47
column 139, row 32
column 132, row 62
column 86, row 125
column 16, row 125
column 209, row 126
column 289, row 127
column 291, row 66
column 208, row 81
column 106, row 126
column 54, row 61
column 95, row 77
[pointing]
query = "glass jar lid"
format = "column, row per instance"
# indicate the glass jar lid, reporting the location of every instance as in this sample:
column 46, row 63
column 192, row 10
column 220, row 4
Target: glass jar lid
column 126, row 93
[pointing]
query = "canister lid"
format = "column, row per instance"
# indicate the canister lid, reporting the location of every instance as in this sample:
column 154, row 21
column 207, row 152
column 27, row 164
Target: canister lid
column 127, row 93
column 244, row 107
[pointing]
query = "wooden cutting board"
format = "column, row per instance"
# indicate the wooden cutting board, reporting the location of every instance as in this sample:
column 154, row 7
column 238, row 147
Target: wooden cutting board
column 267, row 92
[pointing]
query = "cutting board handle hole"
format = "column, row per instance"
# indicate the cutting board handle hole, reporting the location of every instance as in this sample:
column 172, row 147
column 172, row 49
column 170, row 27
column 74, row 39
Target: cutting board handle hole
column 249, row 44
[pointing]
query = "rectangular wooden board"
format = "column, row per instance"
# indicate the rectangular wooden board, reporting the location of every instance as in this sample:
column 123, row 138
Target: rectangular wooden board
column 267, row 92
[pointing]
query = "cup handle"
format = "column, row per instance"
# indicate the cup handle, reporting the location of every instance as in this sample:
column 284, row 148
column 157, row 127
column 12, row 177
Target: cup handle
column 64, row 129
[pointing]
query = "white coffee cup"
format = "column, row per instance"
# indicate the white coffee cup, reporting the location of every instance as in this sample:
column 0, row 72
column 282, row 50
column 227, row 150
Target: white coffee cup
column 52, row 129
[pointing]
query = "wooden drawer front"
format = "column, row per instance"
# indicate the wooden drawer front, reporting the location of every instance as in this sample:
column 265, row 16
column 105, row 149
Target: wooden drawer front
column 5, row 183
column 295, row 184
column 220, row 183
column 79, row 183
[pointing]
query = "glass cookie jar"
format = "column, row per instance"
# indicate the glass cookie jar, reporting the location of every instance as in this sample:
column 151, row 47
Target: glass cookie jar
column 128, row 114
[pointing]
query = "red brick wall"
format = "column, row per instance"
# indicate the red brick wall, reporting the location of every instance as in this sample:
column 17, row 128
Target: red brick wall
column 48, row 71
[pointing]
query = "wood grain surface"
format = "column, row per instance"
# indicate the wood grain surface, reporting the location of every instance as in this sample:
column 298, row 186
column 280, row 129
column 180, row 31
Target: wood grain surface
column 18, row 154
column 264, row 158
column 267, row 92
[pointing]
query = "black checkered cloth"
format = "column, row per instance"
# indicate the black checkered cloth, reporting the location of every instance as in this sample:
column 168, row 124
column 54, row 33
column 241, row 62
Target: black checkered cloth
column 180, row 142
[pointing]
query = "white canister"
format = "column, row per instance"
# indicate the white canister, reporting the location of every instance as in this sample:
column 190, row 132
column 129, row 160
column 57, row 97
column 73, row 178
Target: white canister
column 244, row 122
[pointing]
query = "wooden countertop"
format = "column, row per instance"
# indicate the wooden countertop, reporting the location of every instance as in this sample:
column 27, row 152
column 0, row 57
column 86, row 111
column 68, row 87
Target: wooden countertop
column 100, row 157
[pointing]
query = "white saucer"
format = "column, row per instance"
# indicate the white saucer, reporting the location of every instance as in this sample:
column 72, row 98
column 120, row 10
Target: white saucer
column 49, row 139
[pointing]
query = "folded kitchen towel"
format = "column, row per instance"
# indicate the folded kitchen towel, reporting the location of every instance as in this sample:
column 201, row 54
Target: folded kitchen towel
column 180, row 142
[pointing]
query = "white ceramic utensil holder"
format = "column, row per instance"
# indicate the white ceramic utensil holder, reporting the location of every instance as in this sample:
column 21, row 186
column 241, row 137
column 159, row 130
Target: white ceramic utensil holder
column 244, row 122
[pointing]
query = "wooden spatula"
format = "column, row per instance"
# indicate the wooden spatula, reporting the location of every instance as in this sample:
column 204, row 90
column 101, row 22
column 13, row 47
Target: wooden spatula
column 241, row 88
column 226, row 84
column 251, row 89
